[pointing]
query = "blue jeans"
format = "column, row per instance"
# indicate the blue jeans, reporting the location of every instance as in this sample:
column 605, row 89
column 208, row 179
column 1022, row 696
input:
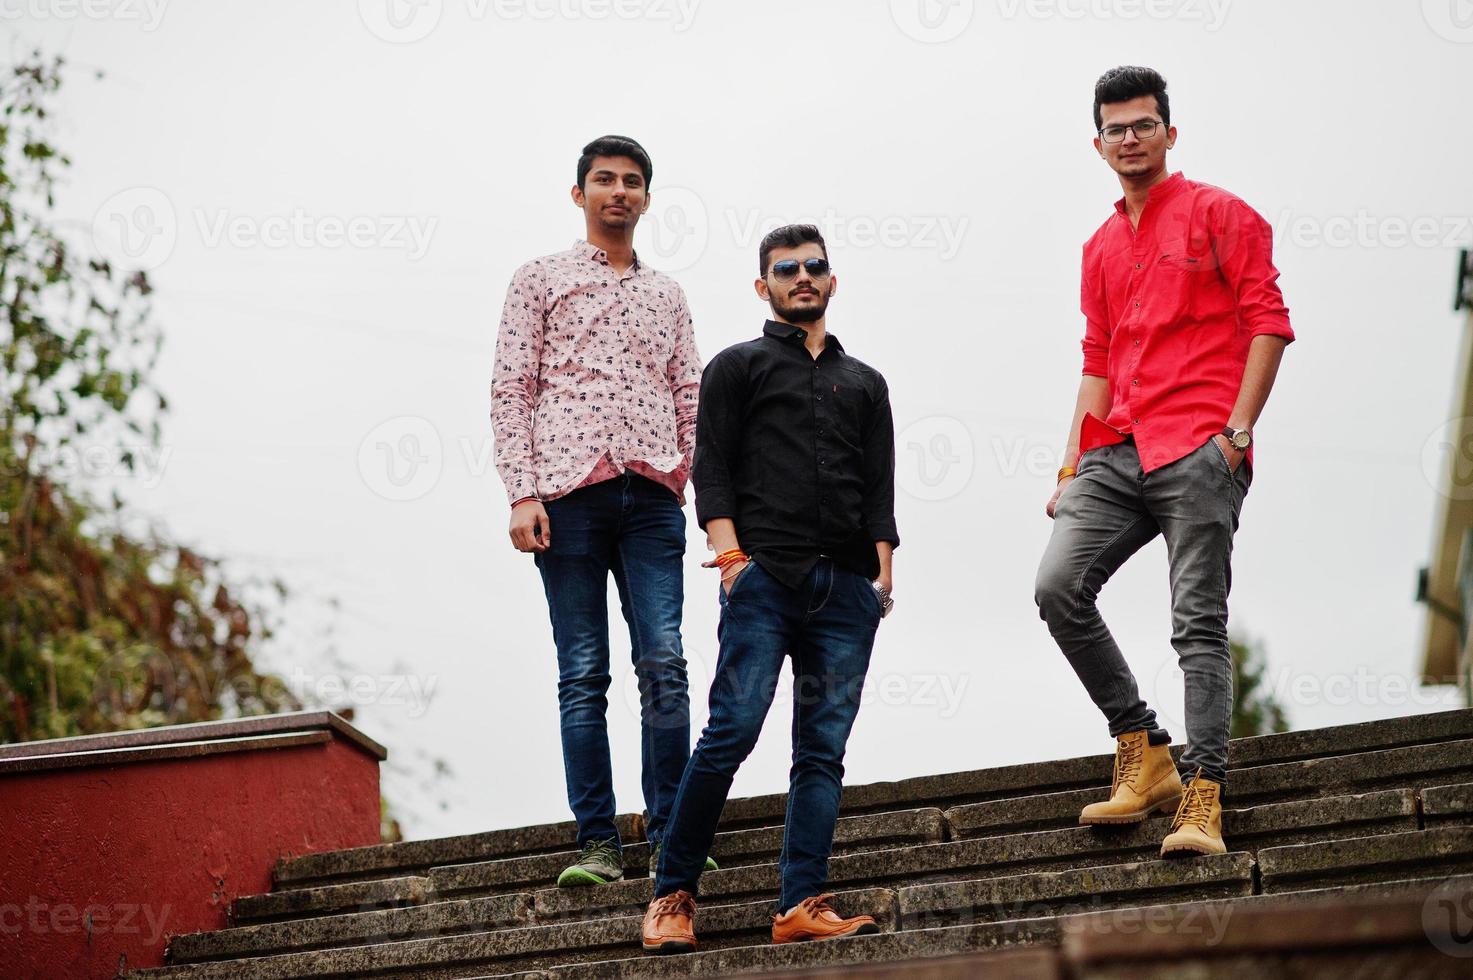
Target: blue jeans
column 827, row 626
column 635, row 528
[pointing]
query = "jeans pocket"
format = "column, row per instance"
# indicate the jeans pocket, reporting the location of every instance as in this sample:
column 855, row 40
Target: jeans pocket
column 1227, row 464
column 723, row 593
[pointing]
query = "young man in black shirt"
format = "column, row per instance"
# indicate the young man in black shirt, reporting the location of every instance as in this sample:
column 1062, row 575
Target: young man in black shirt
column 794, row 473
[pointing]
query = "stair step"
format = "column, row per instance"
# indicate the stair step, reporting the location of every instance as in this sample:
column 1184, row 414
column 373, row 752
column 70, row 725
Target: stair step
column 355, row 929
column 743, row 848
column 943, row 791
column 1448, row 804
column 529, row 948
column 407, row 857
column 915, row 946
column 1413, row 766
column 363, row 896
column 1446, row 850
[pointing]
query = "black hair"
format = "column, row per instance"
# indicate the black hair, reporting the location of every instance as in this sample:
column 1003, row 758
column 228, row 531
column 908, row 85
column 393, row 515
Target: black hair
column 615, row 146
column 1131, row 82
column 788, row 236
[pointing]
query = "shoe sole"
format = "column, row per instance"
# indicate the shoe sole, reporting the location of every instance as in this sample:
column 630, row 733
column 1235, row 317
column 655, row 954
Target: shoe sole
column 1165, row 806
column 1181, row 849
column 868, row 929
column 578, row 878
column 667, row 948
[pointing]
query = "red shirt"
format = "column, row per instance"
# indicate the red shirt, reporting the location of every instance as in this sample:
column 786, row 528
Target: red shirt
column 1170, row 308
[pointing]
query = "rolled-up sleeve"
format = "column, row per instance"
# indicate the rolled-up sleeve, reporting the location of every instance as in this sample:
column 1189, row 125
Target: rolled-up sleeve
column 1092, row 304
column 514, row 380
column 1243, row 246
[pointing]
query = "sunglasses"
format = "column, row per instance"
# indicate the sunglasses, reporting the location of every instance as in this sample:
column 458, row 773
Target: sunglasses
column 787, row 269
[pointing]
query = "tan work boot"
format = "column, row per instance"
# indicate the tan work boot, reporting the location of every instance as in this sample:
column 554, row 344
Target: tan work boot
column 1197, row 828
column 1145, row 781
column 669, row 924
column 813, row 918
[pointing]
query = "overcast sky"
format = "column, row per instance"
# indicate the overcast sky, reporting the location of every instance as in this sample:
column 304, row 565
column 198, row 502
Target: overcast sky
column 332, row 196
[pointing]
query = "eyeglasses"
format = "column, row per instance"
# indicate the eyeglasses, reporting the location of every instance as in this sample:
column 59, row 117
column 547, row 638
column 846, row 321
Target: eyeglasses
column 1144, row 130
column 787, row 269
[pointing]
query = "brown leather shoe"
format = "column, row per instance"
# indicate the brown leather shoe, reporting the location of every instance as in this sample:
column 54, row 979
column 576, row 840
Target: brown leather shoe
column 669, row 924
column 1145, row 781
column 814, row 918
column 1197, row 827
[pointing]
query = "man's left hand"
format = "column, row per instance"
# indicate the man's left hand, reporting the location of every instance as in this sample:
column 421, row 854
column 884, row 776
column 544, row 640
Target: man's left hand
column 1234, row 457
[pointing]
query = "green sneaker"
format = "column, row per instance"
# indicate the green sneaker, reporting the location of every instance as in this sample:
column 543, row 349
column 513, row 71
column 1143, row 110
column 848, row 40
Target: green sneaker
column 598, row 864
column 711, row 864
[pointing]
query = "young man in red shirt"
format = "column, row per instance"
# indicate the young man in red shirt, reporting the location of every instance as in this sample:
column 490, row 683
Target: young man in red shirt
column 1184, row 331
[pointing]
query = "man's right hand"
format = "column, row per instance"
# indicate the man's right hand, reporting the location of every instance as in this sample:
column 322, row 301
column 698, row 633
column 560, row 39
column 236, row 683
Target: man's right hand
column 729, row 575
column 1058, row 492
column 530, row 530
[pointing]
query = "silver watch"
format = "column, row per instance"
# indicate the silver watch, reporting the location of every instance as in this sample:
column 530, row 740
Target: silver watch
column 886, row 603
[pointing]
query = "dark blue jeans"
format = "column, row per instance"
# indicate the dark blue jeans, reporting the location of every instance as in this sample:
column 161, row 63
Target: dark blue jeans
column 827, row 628
column 633, row 528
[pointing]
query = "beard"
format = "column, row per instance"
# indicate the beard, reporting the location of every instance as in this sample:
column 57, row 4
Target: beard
column 793, row 313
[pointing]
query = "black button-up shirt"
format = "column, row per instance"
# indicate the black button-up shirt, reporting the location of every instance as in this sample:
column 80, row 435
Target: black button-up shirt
column 799, row 451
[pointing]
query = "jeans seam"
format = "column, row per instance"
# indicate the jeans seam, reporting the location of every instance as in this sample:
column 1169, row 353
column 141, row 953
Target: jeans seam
column 1078, row 589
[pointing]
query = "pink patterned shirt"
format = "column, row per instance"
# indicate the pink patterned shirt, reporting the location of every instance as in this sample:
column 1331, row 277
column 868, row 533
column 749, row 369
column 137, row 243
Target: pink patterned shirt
column 595, row 373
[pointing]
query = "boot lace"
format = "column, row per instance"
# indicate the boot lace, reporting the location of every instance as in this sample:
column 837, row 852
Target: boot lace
column 818, row 903
column 1128, row 758
column 676, row 903
column 600, row 850
column 1195, row 807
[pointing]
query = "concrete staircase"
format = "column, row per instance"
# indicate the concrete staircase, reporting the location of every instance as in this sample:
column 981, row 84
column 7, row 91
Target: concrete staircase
column 1351, row 851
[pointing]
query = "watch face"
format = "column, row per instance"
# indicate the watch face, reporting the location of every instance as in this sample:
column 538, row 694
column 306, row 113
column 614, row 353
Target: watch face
column 1242, row 439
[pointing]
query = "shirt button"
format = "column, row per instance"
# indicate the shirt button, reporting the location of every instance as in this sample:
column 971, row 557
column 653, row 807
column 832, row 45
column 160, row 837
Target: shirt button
column 1137, row 306
column 1137, row 343
column 1137, row 421
column 1135, row 381
column 1137, row 265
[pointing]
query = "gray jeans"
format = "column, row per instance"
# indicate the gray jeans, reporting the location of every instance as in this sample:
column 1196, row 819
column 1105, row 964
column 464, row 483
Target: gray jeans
column 1107, row 514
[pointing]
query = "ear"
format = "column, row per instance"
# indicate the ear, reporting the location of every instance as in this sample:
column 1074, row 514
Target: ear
column 646, row 207
column 762, row 291
column 1099, row 147
column 833, row 285
column 578, row 198
column 1170, row 137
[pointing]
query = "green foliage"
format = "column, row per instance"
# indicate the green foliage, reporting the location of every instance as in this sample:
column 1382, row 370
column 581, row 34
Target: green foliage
column 99, row 629
column 1256, row 710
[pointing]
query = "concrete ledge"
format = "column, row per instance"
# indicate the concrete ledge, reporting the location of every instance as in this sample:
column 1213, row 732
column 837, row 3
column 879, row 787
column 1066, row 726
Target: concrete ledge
column 357, row 897
column 1440, row 850
column 1448, row 804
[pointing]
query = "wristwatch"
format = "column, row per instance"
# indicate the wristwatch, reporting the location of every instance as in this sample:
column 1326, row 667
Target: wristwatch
column 1240, row 438
column 886, row 603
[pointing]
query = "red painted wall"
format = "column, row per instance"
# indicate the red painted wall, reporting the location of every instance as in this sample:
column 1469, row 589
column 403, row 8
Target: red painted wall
column 148, row 850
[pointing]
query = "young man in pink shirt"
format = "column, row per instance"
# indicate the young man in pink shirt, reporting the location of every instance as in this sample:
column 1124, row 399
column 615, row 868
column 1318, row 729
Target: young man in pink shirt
column 593, row 405
column 1184, row 331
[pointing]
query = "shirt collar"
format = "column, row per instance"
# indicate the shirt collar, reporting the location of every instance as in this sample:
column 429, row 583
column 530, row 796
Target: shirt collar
column 786, row 331
column 593, row 253
column 1160, row 193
